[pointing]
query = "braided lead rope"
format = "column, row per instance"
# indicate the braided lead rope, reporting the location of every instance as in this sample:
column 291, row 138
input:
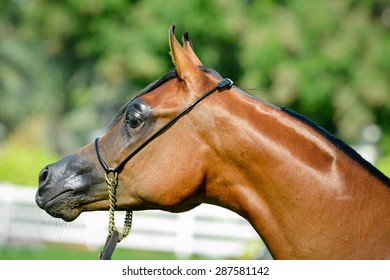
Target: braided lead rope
column 112, row 183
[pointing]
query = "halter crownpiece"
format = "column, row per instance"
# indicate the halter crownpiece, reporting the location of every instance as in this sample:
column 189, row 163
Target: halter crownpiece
column 114, row 235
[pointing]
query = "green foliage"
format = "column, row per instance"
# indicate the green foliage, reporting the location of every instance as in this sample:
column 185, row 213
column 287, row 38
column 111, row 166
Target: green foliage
column 384, row 165
column 23, row 155
column 21, row 165
column 77, row 62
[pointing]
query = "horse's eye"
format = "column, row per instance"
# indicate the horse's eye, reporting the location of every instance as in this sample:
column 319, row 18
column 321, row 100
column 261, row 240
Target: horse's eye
column 134, row 120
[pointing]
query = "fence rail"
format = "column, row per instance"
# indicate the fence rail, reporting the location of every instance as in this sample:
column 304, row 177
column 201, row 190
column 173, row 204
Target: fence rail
column 207, row 230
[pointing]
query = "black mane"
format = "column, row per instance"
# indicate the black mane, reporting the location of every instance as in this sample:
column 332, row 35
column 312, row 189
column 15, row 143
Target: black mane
column 340, row 145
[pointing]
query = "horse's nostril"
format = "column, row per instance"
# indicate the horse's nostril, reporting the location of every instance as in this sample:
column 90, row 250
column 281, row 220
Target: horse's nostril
column 43, row 176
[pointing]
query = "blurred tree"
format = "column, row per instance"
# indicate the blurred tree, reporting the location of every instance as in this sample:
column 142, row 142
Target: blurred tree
column 79, row 61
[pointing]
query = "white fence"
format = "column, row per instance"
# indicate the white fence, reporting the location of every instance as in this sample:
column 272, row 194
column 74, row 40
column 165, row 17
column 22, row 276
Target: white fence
column 206, row 230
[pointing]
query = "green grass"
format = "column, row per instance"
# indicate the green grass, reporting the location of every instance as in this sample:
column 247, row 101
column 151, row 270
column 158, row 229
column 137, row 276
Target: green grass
column 66, row 252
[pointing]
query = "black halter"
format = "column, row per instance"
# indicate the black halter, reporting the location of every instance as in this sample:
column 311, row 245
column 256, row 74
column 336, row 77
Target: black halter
column 225, row 83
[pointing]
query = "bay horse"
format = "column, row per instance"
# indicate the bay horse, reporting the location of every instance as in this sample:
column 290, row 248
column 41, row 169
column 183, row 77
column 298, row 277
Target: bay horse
column 306, row 193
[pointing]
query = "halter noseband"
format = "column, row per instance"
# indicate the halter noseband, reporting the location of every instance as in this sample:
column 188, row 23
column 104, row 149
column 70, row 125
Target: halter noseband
column 114, row 236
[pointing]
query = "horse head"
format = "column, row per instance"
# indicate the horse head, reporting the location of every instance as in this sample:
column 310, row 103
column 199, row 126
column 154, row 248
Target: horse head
column 169, row 173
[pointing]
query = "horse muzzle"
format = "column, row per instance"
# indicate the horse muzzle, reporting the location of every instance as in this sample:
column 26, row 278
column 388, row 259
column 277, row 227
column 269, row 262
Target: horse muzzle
column 64, row 186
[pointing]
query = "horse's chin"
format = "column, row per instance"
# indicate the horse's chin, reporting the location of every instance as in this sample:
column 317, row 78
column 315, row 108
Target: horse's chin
column 59, row 206
column 65, row 213
column 68, row 216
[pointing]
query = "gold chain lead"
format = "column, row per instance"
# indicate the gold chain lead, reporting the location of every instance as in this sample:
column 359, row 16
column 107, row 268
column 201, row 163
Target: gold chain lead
column 112, row 183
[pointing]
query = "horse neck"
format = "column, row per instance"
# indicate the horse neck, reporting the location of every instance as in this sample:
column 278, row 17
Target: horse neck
column 304, row 196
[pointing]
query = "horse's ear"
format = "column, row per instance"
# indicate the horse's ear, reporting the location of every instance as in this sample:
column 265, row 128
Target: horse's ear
column 187, row 46
column 185, row 63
